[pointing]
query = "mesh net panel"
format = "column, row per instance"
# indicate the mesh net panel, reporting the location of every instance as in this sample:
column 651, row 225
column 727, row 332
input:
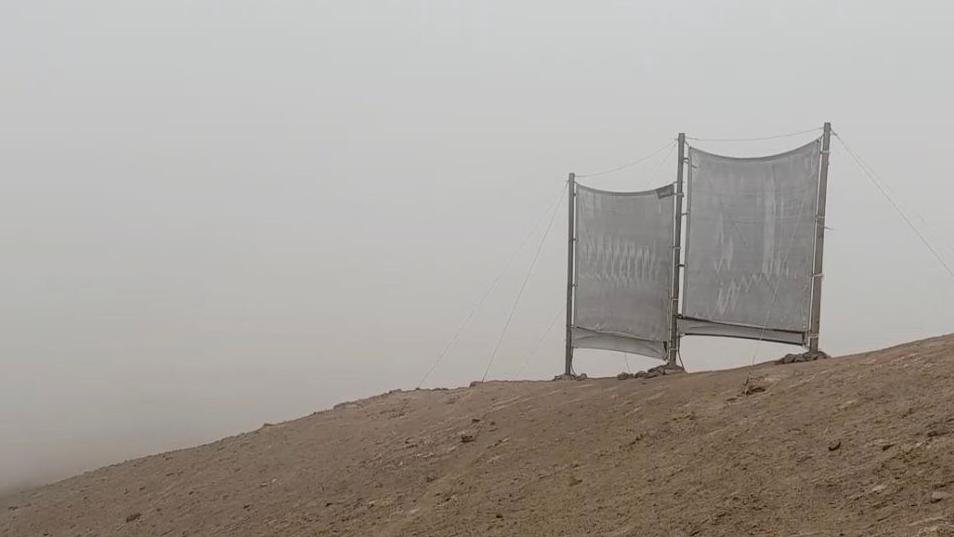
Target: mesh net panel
column 750, row 243
column 623, row 270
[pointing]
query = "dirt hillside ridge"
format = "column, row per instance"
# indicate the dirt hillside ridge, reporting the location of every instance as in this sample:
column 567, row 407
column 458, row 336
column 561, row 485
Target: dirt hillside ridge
column 854, row 446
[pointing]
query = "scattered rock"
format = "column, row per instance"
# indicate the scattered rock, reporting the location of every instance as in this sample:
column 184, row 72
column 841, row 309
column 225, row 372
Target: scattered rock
column 939, row 495
column 12, row 507
column 475, row 420
column 808, row 356
column 467, row 438
column 654, row 372
column 581, row 376
column 666, row 369
column 834, row 446
column 752, row 386
column 574, row 481
column 751, row 389
column 133, row 517
column 475, row 383
column 498, row 515
column 908, row 448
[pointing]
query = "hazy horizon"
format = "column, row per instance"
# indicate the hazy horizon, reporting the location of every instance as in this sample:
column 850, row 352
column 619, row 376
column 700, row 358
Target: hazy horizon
column 222, row 214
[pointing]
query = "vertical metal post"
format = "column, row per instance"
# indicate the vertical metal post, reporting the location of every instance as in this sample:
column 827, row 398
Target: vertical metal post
column 677, row 253
column 813, row 330
column 570, row 256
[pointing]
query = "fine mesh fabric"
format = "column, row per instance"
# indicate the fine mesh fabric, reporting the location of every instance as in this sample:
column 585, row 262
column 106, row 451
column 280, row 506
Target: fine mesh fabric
column 623, row 270
column 750, row 244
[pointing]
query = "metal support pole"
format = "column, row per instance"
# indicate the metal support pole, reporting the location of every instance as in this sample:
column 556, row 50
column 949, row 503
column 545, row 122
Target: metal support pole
column 677, row 254
column 813, row 330
column 570, row 256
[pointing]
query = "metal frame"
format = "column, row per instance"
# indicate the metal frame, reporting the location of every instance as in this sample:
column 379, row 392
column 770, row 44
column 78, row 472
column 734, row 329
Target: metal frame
column 817, row 274
column 570, row 258
column 811, row 337
column 677, row 252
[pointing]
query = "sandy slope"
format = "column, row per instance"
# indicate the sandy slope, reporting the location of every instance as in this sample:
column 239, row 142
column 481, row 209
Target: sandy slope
column 862, row 445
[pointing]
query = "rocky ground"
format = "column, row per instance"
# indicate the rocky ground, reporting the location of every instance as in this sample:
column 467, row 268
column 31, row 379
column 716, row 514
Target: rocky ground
column 854, row 446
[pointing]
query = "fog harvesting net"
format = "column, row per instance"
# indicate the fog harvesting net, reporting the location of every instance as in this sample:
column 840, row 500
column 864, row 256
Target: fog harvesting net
column 746, row 267
column 750, row 243
column 624, row 243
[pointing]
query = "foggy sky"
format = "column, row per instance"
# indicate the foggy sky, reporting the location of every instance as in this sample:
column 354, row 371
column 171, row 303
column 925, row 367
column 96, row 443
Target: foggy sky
column 216, row 214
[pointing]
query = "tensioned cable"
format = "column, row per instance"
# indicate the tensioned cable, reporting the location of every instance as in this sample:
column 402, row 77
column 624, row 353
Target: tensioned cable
column 917, row 215
column 542, row 338
column 873, row 177
column 490, row 289
column 651, row 174
column 523, row 286
column 628, row 164
column 756, row 139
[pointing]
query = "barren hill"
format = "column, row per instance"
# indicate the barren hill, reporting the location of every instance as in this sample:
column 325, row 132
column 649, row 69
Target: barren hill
column 860, row 445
